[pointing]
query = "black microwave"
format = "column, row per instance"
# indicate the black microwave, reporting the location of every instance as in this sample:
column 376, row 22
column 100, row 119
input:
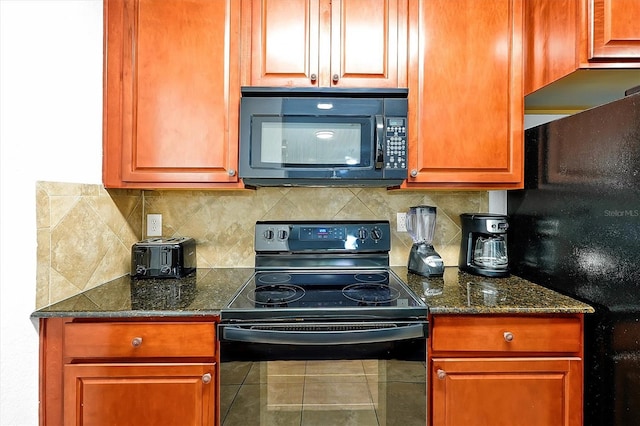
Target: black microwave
column 323, row 137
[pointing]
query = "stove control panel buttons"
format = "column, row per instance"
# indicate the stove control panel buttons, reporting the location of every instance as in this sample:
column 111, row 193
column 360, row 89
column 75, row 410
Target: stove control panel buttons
column 320, row 237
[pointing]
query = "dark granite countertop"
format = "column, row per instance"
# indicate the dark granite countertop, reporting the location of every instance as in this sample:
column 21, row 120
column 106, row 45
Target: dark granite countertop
column 462, row 293
column 201, row 293
column 206, row 291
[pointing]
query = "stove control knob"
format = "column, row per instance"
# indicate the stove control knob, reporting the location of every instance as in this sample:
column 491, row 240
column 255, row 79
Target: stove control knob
column 376, row 234
column 362, row 233
column 268, row 234
column 283, row 234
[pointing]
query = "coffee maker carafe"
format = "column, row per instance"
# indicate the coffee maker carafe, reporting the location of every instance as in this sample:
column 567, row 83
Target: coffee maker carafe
column 423, row 258
column 483, row 249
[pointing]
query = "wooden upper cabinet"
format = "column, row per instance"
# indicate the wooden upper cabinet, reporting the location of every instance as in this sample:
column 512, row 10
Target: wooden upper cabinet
column 325, row 43
column 171, row 93
column 614, row 26
column 563, row 36
column 466, row 94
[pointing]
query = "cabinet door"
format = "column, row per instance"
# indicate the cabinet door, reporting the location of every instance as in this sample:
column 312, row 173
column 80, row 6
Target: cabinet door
column 506, row 391
column 323, row 43
column 615, row 29
column 369, row 43
column 139, row 394
column 466, row 95
column 171, row 93
column 283, row 41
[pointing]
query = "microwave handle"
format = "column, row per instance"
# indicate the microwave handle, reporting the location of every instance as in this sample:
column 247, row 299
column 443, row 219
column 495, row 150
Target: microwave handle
column 379, row 158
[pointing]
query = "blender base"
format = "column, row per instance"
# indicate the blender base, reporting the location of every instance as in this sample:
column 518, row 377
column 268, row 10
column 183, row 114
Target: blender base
column 425, row 261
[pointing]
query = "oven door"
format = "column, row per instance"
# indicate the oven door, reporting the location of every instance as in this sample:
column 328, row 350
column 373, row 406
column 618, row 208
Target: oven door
column 323, row 373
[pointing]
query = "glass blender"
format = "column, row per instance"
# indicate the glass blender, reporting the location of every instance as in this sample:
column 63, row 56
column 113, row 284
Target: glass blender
column 423, row 258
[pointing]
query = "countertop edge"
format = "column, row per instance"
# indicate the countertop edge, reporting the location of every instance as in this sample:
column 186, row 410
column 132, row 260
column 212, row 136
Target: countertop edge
column 126, row 314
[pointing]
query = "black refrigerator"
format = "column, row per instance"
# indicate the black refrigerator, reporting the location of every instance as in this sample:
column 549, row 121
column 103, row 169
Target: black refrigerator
column 575, row 228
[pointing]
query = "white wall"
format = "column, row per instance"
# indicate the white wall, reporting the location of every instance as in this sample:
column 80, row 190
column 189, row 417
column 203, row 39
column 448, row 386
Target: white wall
column 50, row 129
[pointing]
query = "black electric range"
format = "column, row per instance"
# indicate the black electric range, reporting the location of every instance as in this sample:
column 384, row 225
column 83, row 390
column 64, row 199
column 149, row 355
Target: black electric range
column 324, row 282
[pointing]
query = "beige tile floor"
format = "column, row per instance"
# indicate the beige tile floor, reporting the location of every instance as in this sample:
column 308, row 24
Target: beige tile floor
column 345, row 392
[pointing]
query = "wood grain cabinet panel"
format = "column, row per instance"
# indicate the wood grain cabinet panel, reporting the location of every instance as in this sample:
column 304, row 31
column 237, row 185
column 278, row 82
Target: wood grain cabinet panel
column 466, row 94
column 139, row 340
column 506, row 369
column 129, row 372
column 565, row 36
column 615, row 29
column 325, row 43
column 498, row 391
column 511, row 334
column 171, row 93
column 134, row 394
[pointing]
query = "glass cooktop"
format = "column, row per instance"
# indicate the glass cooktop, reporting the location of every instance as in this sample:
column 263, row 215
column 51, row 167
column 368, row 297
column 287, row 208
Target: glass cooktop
column 317, row 294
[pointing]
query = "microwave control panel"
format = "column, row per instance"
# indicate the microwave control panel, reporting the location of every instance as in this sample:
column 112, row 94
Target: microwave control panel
column 396, row 143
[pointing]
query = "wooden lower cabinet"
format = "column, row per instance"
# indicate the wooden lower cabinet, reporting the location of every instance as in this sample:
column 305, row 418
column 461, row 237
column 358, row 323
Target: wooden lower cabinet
column 154, row 372
column 133, row 394
column 524, row 370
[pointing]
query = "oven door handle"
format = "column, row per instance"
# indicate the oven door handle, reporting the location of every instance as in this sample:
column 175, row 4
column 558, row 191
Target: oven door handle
column 306, row 337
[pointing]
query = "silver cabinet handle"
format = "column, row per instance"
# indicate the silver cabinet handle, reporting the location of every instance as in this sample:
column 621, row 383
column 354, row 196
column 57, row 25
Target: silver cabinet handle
column 441, row 374
column 414, row 173
column 206, row 378
column 336, row 77
column 231, row 172
column 508, row 336
column 136, row 342
column 314, row 77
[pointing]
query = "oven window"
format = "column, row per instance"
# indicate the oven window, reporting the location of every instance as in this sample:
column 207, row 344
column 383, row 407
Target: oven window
column 368, row 390
column 358, row 392
column 311, row 142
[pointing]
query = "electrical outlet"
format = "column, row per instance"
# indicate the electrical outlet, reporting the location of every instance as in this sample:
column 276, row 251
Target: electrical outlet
column 402, row 222
column 154, row 225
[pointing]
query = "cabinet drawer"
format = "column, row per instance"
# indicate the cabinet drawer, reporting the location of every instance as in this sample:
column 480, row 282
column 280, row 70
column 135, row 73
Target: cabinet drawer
column 512, row 334
column 133, row 340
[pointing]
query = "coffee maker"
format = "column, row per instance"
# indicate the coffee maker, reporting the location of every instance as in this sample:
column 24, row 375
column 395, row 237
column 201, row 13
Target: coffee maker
column 423, row 258
column 483, row 249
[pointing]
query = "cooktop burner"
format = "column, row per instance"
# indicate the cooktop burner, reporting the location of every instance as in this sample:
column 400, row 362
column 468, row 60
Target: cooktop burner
column 276, row 294
column 370, row 294
column 274, row 278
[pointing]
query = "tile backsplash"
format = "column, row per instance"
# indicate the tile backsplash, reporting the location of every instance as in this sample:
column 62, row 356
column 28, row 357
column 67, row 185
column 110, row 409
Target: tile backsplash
column 85, row 232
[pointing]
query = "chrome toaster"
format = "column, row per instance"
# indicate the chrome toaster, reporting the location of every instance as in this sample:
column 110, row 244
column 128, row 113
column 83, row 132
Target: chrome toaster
column 163, row 257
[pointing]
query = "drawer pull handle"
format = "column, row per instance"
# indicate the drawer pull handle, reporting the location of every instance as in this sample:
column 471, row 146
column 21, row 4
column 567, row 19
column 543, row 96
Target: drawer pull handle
column 441, row 374
column 137, row 341
column 508, row 336
column 206, row 378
